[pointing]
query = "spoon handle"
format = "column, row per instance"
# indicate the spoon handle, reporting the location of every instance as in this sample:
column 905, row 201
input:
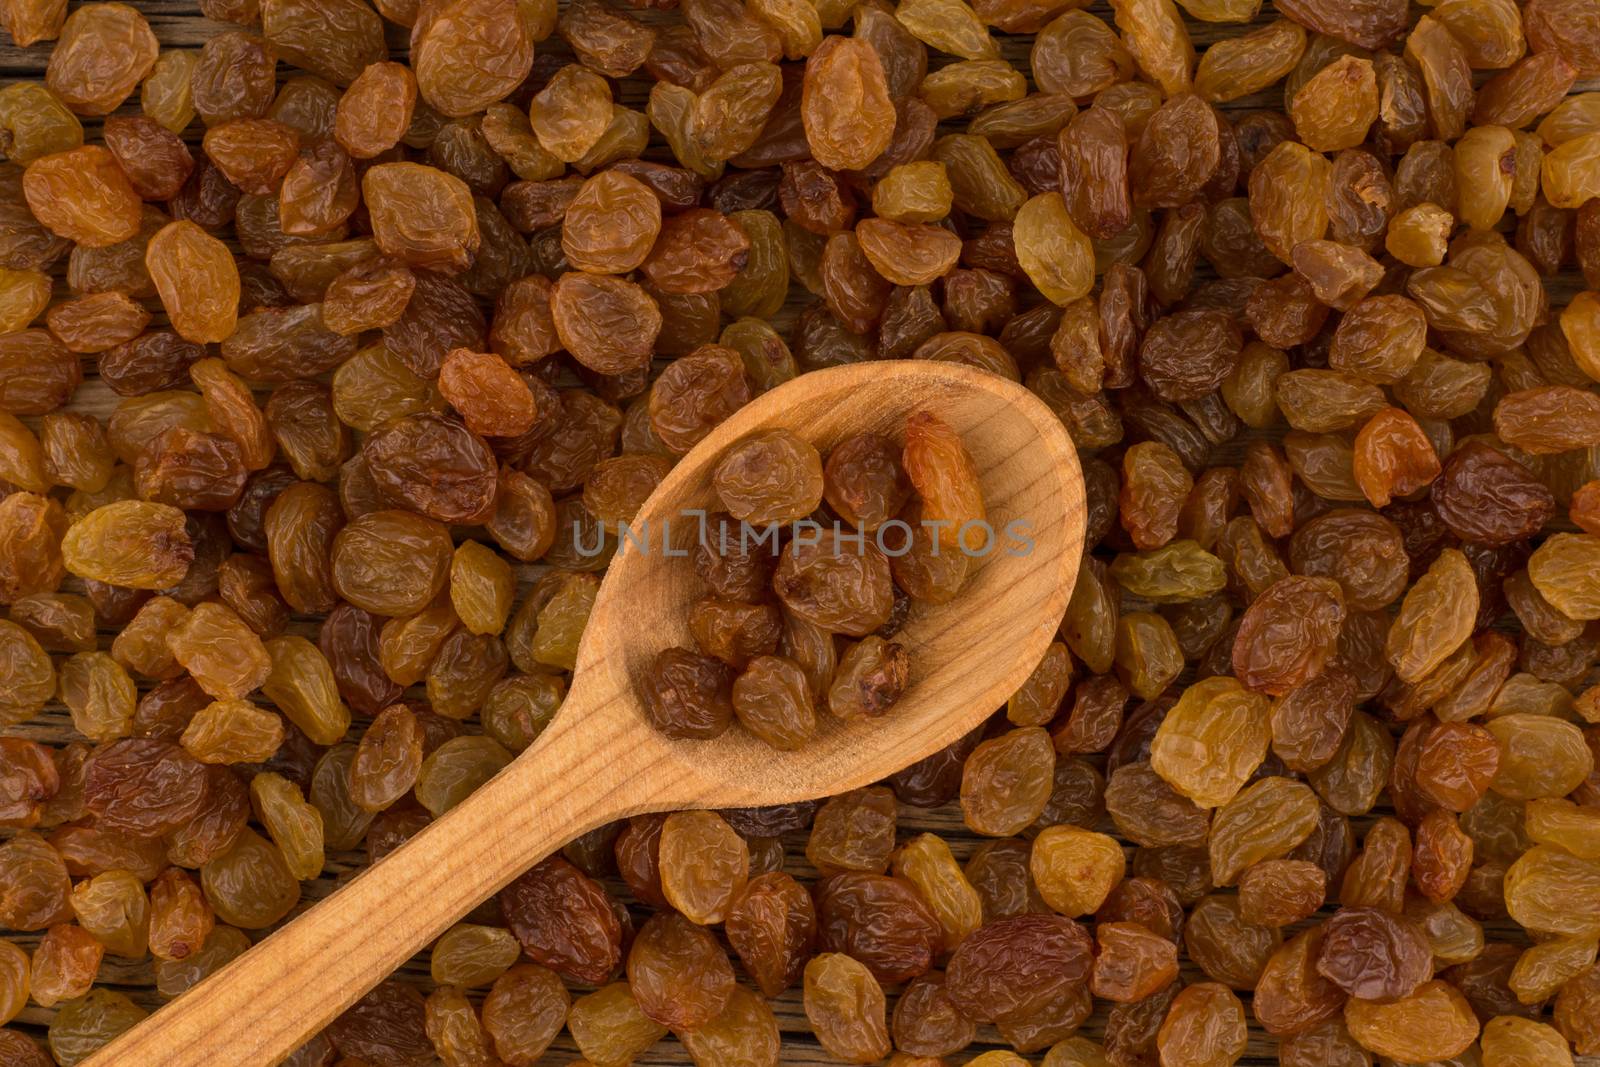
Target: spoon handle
column 270, row 1000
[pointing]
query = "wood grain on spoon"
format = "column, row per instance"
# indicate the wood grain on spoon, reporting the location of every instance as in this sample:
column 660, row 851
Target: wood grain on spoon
column 600, row 760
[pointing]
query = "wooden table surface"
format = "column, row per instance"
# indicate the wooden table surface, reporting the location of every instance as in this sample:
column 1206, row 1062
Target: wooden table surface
column 179, row 24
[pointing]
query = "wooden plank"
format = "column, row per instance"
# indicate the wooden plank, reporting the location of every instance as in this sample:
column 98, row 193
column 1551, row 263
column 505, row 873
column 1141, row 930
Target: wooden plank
column 179, row 24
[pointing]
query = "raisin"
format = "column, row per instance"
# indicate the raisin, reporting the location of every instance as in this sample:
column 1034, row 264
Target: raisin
column 564, row 920
column 845, row 1006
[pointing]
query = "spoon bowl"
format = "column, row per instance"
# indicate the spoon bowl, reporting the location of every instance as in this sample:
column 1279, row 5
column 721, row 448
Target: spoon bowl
column 601, row 760
column 967, row 656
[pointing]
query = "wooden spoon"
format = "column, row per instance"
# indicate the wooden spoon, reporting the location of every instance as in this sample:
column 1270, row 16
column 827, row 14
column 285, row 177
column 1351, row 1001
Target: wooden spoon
column 600, row 760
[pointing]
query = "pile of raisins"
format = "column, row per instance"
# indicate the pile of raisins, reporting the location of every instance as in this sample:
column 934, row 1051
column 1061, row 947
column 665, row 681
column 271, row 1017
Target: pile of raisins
column 905, row 522
column 333, row 355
